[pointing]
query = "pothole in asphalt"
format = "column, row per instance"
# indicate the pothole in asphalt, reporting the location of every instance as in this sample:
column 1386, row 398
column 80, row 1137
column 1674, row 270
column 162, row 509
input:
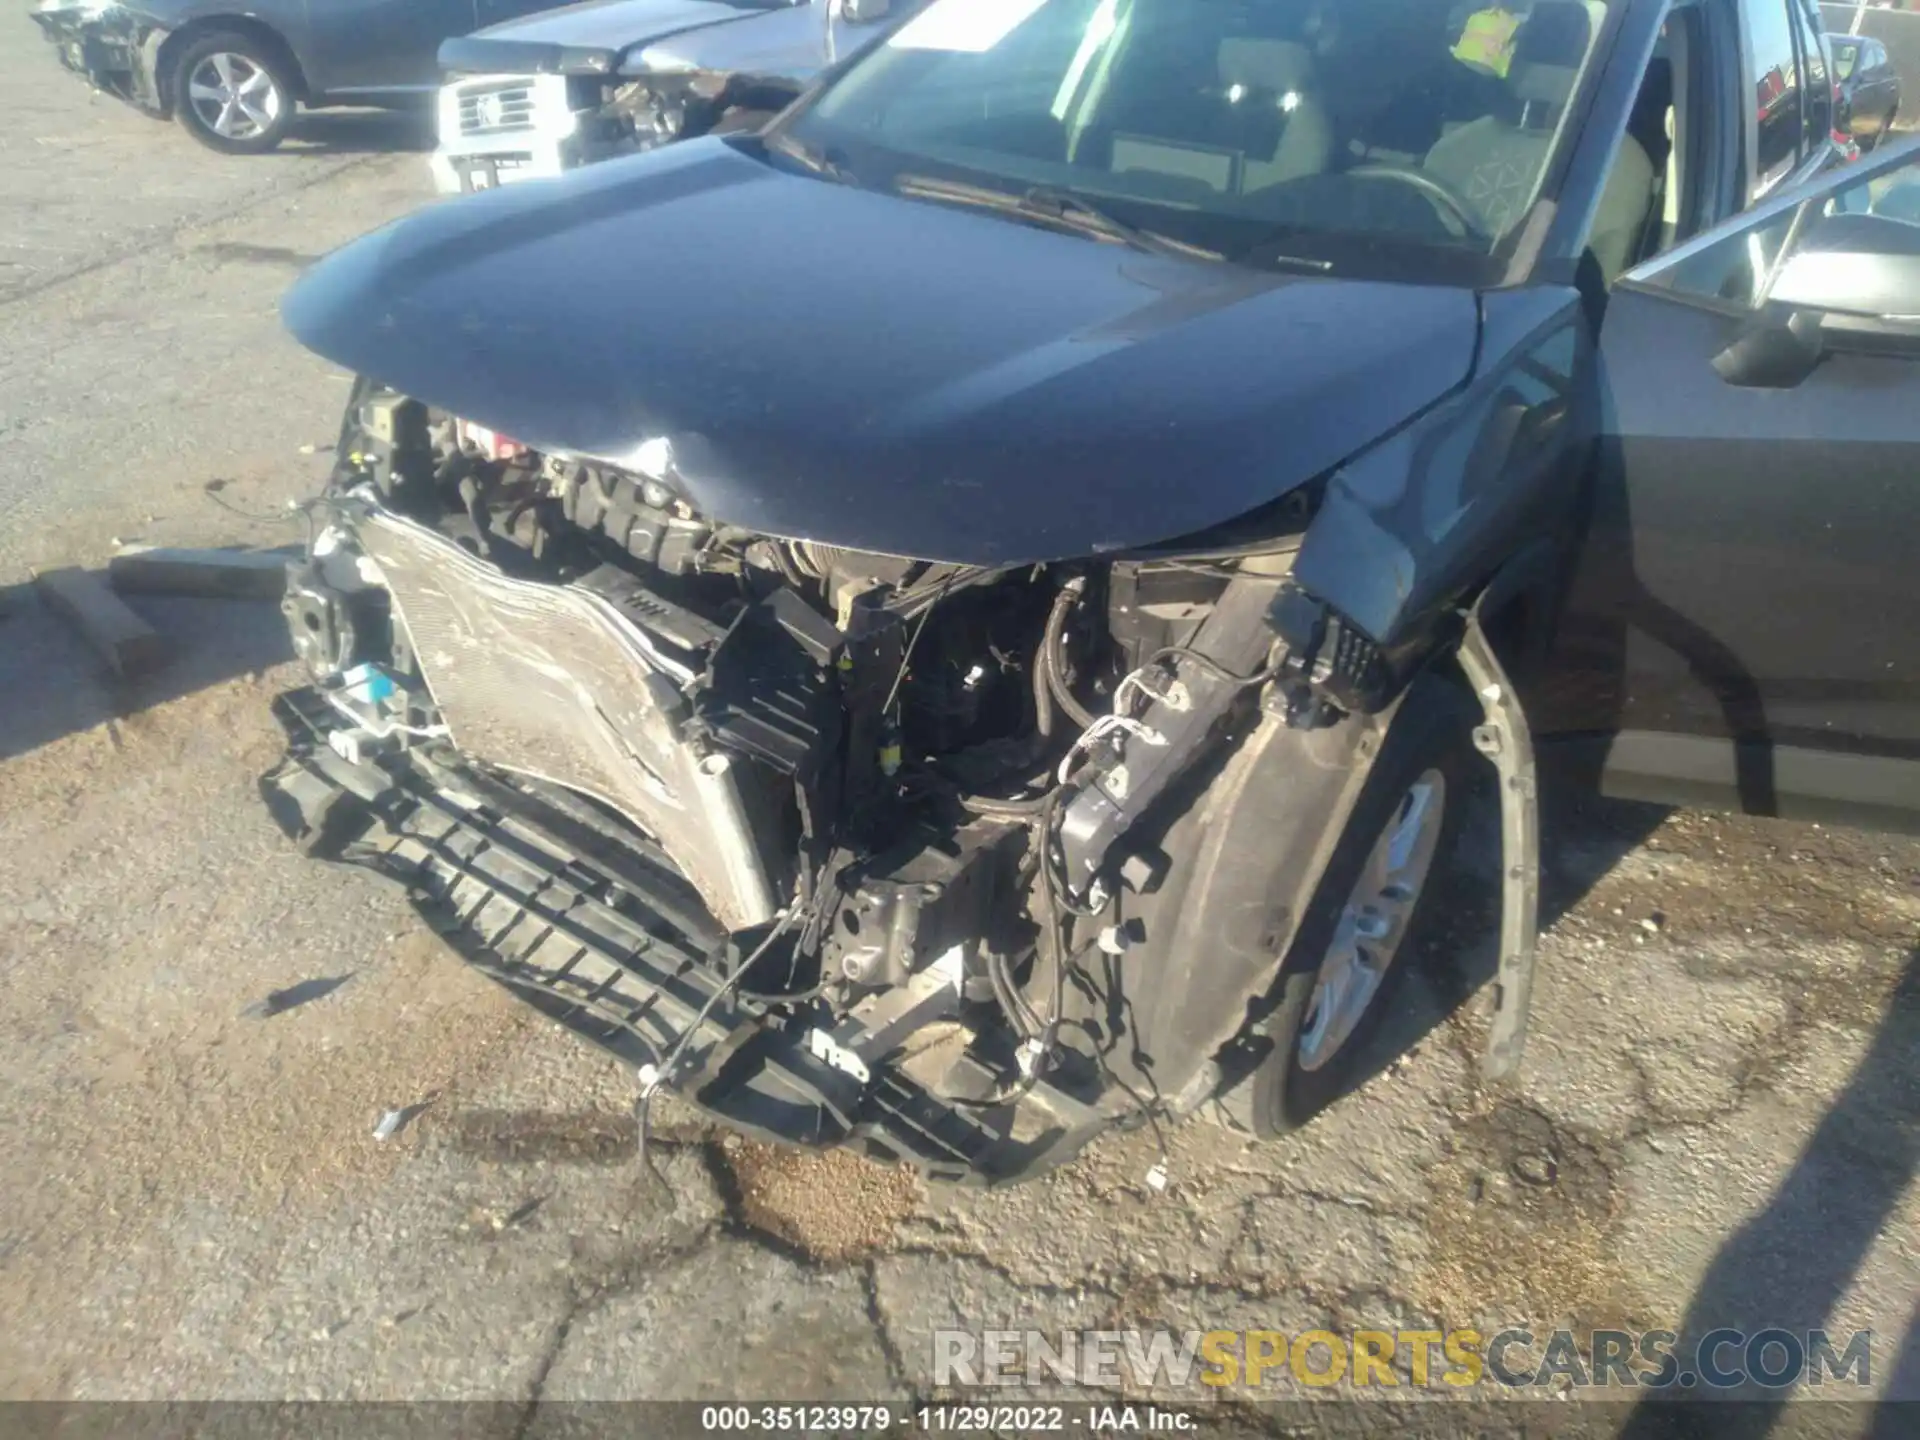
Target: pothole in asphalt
column 1524, row 1211
column 828, row 1204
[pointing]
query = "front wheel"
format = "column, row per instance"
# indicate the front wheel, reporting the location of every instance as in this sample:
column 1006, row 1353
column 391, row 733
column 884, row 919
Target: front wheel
column 1363, row 927
column 232, row 94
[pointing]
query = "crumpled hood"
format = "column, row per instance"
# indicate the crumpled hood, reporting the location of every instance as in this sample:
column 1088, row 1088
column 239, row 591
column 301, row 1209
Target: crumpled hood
column 854, row 368
column 588, row 38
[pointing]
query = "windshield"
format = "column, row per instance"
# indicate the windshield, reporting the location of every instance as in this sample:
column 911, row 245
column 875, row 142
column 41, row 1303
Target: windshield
column 1386, row 138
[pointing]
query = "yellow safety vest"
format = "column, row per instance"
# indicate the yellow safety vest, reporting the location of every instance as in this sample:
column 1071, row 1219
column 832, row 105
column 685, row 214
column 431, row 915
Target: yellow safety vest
column 1487, row 40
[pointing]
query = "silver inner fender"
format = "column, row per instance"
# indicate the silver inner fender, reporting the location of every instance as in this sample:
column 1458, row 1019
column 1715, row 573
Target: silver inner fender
column 552, row 681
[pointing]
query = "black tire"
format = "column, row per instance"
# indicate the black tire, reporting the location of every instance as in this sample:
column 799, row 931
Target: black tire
column 1431, row 737
column 260, row 80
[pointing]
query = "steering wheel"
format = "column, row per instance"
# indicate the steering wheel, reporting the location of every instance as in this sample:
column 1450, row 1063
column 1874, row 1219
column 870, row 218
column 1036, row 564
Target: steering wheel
column 1452, row 208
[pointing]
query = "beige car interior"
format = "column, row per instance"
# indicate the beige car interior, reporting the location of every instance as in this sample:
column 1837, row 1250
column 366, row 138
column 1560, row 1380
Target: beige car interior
column 1275, row 121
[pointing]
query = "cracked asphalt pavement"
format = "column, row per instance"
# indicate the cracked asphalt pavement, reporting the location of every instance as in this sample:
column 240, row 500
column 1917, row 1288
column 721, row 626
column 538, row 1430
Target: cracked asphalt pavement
column 1718, row 1121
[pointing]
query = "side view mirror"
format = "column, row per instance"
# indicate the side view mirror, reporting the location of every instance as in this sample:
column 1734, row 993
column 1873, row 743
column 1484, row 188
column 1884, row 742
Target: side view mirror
column 1776, row 352
column 1852, row 283
column 861, row 12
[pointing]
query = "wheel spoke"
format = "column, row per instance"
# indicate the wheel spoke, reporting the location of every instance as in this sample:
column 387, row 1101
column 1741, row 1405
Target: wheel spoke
column 258, row 83
column 260, row 118
column 1374, row 921
column 223, row 66
column 205, row 94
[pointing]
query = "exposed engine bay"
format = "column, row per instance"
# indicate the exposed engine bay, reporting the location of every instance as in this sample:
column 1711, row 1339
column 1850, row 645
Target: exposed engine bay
column 948, row 859
column 628, row 115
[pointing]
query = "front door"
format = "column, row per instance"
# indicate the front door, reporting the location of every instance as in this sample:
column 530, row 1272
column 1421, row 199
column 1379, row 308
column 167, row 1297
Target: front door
column 375, row 47
column 1743, row 624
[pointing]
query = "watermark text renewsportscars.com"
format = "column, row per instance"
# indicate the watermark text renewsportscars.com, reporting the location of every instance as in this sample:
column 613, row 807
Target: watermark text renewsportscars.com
column 1772, row 1358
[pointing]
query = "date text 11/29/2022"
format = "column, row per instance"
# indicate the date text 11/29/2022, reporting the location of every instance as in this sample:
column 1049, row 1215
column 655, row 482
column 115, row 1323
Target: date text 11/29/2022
column 961, row 1419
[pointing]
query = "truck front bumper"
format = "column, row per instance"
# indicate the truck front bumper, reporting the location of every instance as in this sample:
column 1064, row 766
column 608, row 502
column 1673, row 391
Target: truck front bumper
column 112, row 47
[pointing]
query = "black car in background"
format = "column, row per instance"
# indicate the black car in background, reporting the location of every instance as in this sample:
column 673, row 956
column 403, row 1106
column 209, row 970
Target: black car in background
column 234, row 72
column 1867, row 86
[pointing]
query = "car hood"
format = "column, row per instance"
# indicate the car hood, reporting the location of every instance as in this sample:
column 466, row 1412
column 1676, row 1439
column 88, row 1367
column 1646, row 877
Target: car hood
column 589, row 38
column 850, row 367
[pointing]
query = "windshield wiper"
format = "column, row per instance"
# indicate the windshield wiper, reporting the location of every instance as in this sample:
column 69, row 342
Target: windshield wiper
column 1053, row 205
column 1075, row 209
column 826, row 162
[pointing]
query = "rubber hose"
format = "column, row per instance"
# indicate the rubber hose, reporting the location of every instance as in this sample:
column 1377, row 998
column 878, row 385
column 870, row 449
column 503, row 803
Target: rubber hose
column 1053, row 658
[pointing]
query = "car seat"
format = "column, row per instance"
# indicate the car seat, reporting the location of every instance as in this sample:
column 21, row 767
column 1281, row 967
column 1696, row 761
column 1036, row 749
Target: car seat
column 1494, row 164
column 1274, row 81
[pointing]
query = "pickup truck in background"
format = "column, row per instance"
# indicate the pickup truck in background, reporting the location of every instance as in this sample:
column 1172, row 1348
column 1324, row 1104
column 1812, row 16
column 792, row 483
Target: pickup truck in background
column 964, row 619
column 540, row 96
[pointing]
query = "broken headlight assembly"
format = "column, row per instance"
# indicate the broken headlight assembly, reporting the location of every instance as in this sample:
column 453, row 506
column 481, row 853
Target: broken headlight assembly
column 641, row 114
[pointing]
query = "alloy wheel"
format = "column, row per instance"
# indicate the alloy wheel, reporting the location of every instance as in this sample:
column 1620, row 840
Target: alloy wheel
column 1374, row 921
column 234, row 97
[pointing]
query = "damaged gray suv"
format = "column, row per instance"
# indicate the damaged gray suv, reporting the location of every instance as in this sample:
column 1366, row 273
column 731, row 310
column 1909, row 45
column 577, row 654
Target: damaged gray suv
column 964, row 620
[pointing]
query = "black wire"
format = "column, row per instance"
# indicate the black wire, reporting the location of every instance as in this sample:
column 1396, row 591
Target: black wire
column 731, row 984
column 1147, row 1107
column 272, row 517
column 914, row 598
column 643, row 1130
column 663, row 1072
column 1012, row 1003
column 1214, row 667
column 906, row 657
column 1019, row 1013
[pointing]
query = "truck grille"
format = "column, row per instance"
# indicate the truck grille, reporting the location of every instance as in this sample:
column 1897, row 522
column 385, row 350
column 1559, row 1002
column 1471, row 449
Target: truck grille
column 496, row 109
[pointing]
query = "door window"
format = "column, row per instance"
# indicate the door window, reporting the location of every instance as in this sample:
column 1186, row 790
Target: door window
column 1817, row 105
column 1776, row 99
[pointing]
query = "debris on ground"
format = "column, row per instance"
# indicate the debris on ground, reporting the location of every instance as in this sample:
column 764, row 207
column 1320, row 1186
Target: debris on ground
column 126, row 642
column 394, row 1121
column 214, row 574
column 491, row 1220
column 831, row 1205
column 278, row 1002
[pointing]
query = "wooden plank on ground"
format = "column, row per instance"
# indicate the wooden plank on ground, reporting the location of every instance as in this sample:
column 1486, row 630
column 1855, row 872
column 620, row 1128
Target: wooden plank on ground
column 217, row 574
column 123, row 639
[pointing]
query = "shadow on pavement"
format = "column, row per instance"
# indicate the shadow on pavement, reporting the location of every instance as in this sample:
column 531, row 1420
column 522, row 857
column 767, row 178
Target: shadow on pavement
column 1903, row 1385
column 52, row 684
column 1582, row 838
column 361, row 132
column 1786, row 1269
